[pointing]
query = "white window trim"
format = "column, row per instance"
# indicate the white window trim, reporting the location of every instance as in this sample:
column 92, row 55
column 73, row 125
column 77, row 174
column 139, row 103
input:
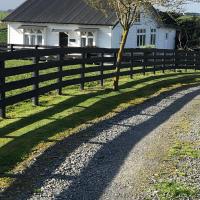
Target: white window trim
column 29, row 34
column 87, row 37
column 141, row 33
column 153, row 34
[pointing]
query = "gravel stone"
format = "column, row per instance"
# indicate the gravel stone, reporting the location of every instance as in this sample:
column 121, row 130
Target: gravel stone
column 110, row 159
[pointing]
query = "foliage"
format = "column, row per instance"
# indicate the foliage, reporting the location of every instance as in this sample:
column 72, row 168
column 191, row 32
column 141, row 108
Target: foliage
column 3, row 35
column 189, row 36
column 3, row 14
column 3, row 28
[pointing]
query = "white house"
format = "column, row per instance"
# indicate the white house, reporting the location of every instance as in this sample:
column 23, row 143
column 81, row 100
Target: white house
column 73, row 23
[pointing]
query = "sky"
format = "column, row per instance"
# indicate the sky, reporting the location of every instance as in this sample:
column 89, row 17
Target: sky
column 193, row 7
column 12, row 4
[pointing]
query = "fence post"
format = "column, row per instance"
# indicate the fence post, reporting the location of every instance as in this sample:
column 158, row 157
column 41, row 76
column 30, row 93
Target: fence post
column 12, row 47
column 175, row 61
column 60, row 69
column 83, row 71
column 197, row 60
column 154, row 60
column 195, row 68
column 132, row 63
column 144, row 61
column 2, row 92
column 185, row 62
column 36, row 82
column 115, row 59
column 163, row 66
column 101, row 70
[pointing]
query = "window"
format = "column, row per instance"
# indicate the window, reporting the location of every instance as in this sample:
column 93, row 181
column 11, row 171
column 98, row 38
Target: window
column 26, row 39
column 87, row 39
column 39, row 39
column 141, row 37
column 90, row 42
column 83, row 42
column 33, row 37
column 153, row 37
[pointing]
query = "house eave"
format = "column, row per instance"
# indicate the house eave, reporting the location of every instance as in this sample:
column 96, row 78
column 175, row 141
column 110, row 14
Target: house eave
column 81, row 24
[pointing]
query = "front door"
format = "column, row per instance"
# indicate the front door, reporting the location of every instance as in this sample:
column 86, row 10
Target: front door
column 63, row 38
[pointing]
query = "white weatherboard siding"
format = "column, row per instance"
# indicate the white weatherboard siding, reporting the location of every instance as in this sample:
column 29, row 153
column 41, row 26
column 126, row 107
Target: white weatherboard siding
column 51, row 35
column 146, row 23
column 167, row 42
column 104, row 36
column 15, row 35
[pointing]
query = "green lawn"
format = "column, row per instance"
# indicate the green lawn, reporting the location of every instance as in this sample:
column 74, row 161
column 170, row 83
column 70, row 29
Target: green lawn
column 29, row 129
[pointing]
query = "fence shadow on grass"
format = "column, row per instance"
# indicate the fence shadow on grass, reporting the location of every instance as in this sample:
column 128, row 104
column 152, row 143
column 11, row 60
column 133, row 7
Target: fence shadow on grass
column 85, row 185
column 14, row 151
column 73, row 101
column 32, row 138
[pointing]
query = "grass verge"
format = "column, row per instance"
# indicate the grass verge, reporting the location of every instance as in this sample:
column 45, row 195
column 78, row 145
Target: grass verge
column 177, row 177
column 29, row 130
column 174, row 190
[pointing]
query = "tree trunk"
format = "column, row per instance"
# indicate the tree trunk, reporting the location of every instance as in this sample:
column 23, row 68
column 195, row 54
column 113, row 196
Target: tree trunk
column 119, row 58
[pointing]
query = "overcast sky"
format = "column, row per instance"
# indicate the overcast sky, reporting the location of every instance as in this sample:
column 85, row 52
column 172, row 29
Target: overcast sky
column 12, row 4
column 9, row 4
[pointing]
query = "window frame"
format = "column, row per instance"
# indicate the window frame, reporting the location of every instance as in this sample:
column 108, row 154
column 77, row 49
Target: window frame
column 166, row 36
column 87, row 36
column 153, row 36
column 141, row 37
column 31, row 33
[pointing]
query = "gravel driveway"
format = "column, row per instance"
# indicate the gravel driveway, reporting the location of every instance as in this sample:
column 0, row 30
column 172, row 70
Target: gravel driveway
column 110, row 159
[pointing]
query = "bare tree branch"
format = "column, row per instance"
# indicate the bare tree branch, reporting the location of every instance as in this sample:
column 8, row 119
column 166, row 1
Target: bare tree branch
column 126, row 12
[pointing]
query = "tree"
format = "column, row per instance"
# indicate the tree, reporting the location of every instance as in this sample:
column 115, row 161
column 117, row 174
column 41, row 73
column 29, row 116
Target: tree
column 127, row 13
column 189, row 33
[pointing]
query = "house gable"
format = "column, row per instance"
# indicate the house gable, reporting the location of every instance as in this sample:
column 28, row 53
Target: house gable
column 150, row 31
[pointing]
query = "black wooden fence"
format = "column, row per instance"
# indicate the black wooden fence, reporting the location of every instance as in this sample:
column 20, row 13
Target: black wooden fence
column 15, row 47
column 83, row 66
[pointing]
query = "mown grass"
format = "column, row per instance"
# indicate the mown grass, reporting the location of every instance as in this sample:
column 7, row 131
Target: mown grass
column 29, row 129
column 174, row 190
column 184, row 150
column 171, row 180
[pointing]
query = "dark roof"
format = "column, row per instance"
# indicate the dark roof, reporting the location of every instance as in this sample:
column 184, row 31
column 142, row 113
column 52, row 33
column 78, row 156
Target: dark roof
column 68, row 12
column 167, row 19
column 61, row 12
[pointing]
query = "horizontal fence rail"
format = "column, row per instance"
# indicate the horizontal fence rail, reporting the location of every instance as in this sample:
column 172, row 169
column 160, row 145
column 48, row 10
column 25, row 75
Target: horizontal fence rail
column 4, row 47
column 55, row 68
